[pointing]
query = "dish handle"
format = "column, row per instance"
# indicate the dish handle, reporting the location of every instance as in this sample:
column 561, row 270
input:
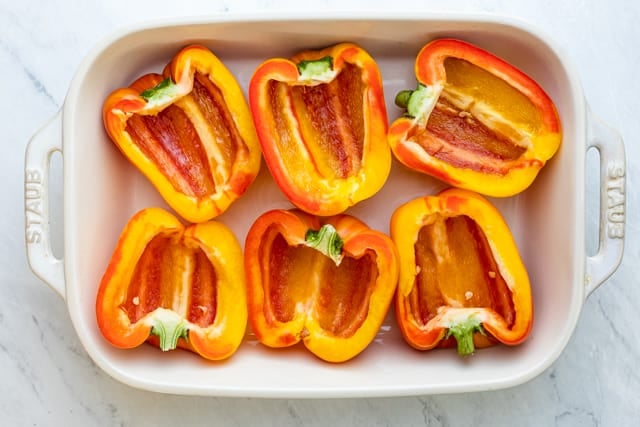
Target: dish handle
column 40, row 148
column 609, row 144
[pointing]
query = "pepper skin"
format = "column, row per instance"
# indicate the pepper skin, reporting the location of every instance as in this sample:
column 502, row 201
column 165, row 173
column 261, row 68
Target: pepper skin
column 189, row 131
column 326, row 282
column 460, row 274
column 322, row 122
column 474, row 122
column 174, row 286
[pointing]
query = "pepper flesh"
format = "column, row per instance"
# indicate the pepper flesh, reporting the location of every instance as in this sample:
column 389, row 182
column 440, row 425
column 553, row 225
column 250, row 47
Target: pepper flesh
column 173, row 286
column 460, row 274
column 475, row 121
column 189, row 131
column 333, row 296
column 322, row 122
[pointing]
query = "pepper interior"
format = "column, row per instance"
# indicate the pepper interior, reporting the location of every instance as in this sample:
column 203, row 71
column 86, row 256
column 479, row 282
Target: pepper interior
column 302, row 281
column 172, row 275
column 330, row 119
column 455, row 268
column 194, row 141
column 480, row 121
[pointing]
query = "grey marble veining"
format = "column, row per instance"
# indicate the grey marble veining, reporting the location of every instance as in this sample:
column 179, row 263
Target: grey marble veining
column 46, row 377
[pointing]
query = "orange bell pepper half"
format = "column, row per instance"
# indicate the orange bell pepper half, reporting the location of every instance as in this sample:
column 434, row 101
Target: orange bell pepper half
column 475, row 121
column 174, row 286
column 322, row 123
column 326, row 282
column 461, row 276
column 189, row 131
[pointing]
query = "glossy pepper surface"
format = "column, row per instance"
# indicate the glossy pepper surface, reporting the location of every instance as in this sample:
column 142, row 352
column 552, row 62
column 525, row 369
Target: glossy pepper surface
column 322, row 122
column 461, row 275
column 475, row 121
column 189, row 131
column 174, row 286
column 327, row 283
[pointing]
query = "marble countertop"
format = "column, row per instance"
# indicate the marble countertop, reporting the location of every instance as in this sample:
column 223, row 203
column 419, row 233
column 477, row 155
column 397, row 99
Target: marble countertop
column 47, row 377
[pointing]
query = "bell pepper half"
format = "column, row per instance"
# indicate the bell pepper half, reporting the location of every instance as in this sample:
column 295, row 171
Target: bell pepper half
column 326, row 282
column 189, row 131
column 322, row 122
column 461, row 276
column 474, row 121
column 174, row 286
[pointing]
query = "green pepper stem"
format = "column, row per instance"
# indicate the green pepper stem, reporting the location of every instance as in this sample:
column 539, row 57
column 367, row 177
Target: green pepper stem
column 161, row 93
column 402, row 98
column 418, row 102
column 463, row 332
column 169, row 327
column 318, row 69
column 327, row 241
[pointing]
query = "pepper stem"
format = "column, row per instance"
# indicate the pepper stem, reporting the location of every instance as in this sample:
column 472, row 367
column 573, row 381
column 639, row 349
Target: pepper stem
column 161, row 93
column 463, row 332
column 402, row 98
column 417, row 102
column 318, row 69
column 169, row 327
column 326, row 240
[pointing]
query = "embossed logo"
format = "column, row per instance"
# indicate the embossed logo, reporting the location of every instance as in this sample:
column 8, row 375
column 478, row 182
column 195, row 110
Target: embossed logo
column 615, row 200
column 33, row 205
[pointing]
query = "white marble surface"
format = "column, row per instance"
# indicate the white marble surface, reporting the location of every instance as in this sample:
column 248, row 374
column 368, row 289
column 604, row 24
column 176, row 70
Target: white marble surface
column 46, row 378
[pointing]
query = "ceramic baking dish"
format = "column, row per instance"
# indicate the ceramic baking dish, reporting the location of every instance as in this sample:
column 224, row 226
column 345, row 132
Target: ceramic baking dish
column 102, row 190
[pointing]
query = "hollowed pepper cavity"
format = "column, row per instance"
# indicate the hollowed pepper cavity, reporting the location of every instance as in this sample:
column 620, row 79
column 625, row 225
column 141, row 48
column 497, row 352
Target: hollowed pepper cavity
column 474, row 121
column 326, row 282
column 322, row 122
column 461, row 276
column 189, row 131
column 174, row 286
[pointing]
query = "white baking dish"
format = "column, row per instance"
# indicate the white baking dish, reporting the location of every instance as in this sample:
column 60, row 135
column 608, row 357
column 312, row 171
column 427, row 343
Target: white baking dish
column 102, row 190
